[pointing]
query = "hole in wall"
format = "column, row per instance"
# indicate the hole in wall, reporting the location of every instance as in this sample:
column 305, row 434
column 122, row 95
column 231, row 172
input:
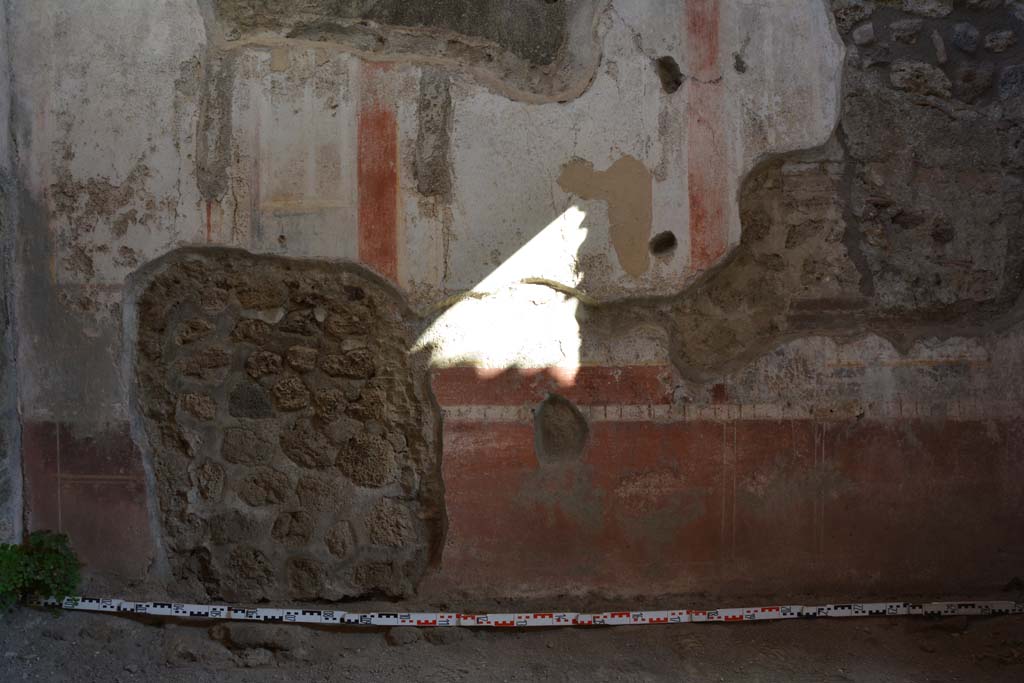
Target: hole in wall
column 663, row 243
column 560, row 431
column 669, row 73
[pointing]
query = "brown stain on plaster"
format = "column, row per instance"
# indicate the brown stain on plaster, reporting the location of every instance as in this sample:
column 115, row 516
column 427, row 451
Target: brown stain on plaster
column 626, row 188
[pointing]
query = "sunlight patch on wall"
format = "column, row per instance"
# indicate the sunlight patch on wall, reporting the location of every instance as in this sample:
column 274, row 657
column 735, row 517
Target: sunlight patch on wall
column 503, row 322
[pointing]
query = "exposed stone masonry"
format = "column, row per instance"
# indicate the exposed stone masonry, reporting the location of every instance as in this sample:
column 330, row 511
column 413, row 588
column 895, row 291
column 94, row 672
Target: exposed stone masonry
column 293, row 441
column 909, row 222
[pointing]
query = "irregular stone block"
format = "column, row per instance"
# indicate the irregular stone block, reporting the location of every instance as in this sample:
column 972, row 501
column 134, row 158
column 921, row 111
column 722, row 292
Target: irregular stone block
column 294, row 491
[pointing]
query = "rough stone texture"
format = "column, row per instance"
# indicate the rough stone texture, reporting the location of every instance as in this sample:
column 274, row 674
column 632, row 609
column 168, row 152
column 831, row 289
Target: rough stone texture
column 293, row 481
column 525, row 44
column 907, row 223
column 534, row 31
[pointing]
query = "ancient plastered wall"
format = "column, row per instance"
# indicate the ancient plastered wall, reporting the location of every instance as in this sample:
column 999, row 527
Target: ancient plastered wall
column 790, row 358
column 10, row 430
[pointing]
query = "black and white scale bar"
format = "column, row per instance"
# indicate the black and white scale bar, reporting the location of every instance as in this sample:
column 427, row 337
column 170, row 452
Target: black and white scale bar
column 538, row 619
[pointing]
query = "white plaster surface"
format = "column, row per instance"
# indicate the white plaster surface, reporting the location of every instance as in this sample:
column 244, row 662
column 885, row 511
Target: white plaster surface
column 109, row 91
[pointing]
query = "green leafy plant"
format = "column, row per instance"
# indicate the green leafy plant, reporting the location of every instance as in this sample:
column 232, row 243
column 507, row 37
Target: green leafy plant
column 43, row 566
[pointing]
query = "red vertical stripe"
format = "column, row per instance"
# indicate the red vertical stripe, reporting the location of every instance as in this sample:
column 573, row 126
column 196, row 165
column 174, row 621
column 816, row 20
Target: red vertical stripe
column 378, row 174
column 707, row 157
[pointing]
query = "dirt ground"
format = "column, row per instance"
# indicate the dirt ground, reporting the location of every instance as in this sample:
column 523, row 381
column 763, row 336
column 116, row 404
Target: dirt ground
column 69, row 646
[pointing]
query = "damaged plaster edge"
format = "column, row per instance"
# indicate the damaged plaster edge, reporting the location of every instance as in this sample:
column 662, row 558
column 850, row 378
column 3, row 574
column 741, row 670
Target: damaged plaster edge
column 901, row 338
column 135, row 286
column 565, row 79
column 821, row 144
column 11, row 478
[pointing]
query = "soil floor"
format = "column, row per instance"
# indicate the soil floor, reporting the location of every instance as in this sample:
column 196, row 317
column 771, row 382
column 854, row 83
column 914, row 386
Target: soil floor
column 38, row 645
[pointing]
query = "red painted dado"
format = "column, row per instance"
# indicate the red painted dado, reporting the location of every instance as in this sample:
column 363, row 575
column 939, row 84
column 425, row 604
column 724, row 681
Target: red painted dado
column 378, row 172
column 734, row 506
column 707, row 151
column 87, row 481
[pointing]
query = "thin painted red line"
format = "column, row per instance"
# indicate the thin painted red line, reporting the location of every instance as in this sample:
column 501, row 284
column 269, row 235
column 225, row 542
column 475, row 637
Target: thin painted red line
column 707, row 156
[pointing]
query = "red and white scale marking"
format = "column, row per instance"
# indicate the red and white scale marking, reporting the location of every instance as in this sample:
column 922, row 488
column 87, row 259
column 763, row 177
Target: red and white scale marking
column 539, row 619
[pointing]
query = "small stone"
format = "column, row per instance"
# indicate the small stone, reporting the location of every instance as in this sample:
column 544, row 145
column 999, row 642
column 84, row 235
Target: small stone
column 328, row 401
column 380, row 577
column 200, row 406
column 250, row 565
column 318, row 493
column 251, row 330
column 340, row 540
column 262, row 295
column 905, row 30
column 342, row 428
column 291, row 394
column 264, row 487
column 305, row 578
column 293, row 528
column 1011, row 82
column 192, row 330
column 213, row 300
column 206, row 362
column 209, row 478
column 247, row 446
column 263, row 363
column 864, row 34
column 357, row 364
column 304, row 445
column 390, row 524
column 302, row 358
column 940, row 48
column 1000, row 41
column 965, row 37
column 368, row 460
column 928, row 8
column 234, row 527
column 300, row 322
column 849, row 13
column 920, row 78
column 249, row 400
column 356, row 321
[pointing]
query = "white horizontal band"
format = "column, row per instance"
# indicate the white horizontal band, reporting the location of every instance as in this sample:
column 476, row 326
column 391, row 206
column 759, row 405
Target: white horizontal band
column 539, row 619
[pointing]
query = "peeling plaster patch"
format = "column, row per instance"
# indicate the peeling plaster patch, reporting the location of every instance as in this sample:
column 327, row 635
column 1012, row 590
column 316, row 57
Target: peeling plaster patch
column 432, row 166
column 534, row 31
column 626, row 188
column 905, row 224
column 538, row 51
column 213, row 145
column 85, row 205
